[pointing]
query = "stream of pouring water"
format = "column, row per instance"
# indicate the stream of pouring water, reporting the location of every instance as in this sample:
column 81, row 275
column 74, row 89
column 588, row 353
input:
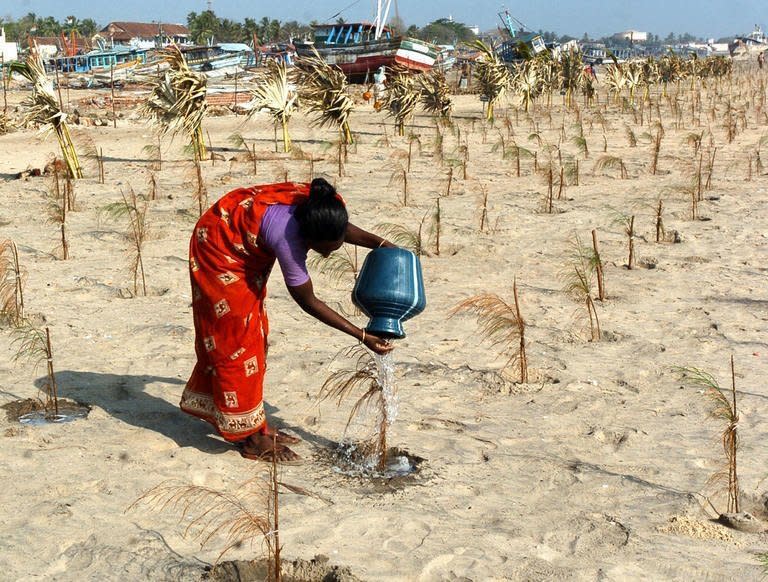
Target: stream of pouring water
column 386, row 379
column 397, row 465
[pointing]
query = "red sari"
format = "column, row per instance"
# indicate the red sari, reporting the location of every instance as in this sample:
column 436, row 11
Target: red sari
column 229, row 272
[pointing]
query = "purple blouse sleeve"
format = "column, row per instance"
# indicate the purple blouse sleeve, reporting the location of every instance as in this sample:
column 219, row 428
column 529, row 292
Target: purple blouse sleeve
column 280, row 233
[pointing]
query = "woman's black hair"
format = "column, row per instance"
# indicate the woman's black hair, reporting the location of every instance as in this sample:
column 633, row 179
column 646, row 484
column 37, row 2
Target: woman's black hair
column 323, row 217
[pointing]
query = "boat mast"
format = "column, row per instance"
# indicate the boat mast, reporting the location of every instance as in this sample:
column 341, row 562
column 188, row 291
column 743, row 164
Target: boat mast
column 381, row 21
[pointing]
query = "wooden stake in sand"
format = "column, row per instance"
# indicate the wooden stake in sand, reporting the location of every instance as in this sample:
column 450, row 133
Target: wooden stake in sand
column 112, row 89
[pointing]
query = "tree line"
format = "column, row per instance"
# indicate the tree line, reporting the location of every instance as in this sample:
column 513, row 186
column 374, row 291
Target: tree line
column 206, row 25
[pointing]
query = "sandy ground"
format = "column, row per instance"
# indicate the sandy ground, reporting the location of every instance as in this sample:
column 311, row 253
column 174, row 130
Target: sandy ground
column 592, row 471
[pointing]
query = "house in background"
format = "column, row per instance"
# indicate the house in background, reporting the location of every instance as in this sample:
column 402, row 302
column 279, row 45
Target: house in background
column 145, row 35
column 8, row 50
column 56, row 46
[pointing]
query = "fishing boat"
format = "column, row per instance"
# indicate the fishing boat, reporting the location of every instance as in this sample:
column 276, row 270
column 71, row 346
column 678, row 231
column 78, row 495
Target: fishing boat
column 754, row 41
column 212, row 60
column 522, row 43
column 360, row 48
column 117, row 59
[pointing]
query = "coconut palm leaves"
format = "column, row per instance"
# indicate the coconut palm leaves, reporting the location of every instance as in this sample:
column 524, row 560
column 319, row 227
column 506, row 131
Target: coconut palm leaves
column 633, row 79
column 608, row 162
column 43, row 108
column 571, row 73
column 435, row 95
column 615, row 80
column 177, row 101
column 493, row 77
column 402, row 98
column 274, row 94
column 323, row 89
column 528, row 83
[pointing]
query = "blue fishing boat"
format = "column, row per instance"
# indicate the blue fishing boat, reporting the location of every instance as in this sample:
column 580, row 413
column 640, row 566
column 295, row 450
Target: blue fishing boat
column 118, row 60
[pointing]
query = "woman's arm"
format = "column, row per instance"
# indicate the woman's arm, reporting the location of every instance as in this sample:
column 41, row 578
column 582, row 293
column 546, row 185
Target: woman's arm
column 304, row 295
column 363, row 238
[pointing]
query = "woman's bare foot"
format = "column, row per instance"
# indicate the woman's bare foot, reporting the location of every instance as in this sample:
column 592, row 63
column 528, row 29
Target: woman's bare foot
column 282, row 437
column 262, row 447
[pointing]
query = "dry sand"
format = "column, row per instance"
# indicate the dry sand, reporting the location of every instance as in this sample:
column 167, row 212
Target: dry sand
column 592, row 471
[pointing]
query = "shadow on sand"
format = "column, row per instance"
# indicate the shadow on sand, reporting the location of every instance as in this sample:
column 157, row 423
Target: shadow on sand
column 125, row 397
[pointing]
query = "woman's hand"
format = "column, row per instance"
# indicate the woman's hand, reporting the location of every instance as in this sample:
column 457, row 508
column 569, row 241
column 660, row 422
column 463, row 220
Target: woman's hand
column 387, row 244
column 377, row 344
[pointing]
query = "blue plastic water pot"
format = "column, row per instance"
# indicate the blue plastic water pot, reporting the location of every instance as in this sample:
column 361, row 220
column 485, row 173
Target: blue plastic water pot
column 389, row 290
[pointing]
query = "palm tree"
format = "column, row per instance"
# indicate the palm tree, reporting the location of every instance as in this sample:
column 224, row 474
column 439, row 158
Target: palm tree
column 273, row 94
column 402, row 98
column 493, row 77
column 43, row 108
column 177, row 102
column 323, row 89
column 435, row 95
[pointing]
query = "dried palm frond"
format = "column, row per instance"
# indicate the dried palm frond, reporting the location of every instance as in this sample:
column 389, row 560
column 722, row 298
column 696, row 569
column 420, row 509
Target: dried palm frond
column 323, row 89
column 502, row 324
column 493, row 77
column 273, row 93
column 11, row 284
column 581, row 145
column 336, row 265
column 402, row 236
column 244, row 517
column 436, row 95
column 43, row 108
column 631, row 137
column 177, row 101
column 401, row 98
column 611, row 163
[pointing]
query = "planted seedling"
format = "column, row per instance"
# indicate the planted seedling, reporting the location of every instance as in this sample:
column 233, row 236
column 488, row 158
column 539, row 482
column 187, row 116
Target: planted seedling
column 377, row 396
column 502, row 324
column 134, row 209
column 11, row 284
column 723, row 409
column 34, row 346
column 578, row 278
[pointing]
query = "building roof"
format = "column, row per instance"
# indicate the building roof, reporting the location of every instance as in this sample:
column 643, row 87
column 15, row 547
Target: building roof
column 129, row 30
column 81, row 44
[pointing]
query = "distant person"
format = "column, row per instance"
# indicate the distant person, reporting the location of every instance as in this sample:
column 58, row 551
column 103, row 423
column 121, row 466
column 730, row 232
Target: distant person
column 761, row 59
column 466, row 71
column 379, row 87
column 231, row 254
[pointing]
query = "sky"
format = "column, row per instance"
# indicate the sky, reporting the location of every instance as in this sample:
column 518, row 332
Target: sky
column 706, row 18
